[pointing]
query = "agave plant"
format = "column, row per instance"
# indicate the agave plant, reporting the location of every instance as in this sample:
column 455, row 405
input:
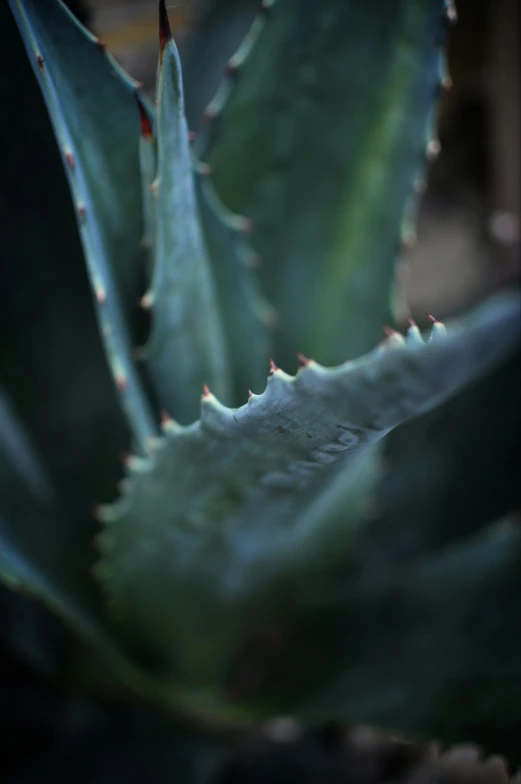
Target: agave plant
column 228, row 584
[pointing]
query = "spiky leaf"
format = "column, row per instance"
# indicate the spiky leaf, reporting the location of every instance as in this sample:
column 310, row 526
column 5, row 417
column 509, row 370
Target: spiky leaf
column 186, row 346
column 247, row 317
column 93, row 109
column 228, row 512
column 317, row 134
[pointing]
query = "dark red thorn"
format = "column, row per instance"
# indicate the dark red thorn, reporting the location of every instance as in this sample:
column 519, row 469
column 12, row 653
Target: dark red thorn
column 40, row 61
column 121, row 382
column 231, row 68
column 69, row 157
column 408, row 240
column 206, row 390
column 165, row 419
column 273, row 368
column 101, row 44
column 192, row 136
column 302, row 360
column 389, row 331
column 205, row 169
column 100, row 294
column 247, row 225
column 209, row 115
column 452, row 14
column 431, row 318
column 433, row 149
column 411, row 322
column 144, row 119
column 165, row 33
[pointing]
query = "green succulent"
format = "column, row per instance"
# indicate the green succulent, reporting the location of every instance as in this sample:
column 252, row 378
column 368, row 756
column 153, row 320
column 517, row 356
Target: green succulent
column 227, row 583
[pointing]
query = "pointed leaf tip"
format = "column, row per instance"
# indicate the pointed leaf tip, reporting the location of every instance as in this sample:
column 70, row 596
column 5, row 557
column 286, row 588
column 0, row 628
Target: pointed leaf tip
column 165, row 33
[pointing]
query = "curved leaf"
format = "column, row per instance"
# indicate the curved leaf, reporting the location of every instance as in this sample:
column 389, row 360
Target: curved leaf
column 39, row 549
column 93, row 110
column 228, row 511
column 317, row 134
column 186, row 346
column 247, row 317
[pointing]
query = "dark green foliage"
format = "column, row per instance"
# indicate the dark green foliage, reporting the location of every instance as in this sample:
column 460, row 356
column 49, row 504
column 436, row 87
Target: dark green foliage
column 240, row 563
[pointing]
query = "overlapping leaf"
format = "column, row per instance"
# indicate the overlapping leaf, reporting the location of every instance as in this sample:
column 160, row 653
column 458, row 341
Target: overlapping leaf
column 92, row 106
column 241, row 505
column 317, row 134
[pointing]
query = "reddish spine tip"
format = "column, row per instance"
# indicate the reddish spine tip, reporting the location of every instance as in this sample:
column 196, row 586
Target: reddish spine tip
column 247, row 225
column 250, row 394
column 192, row 136
column 82, row 212
column 101, row 295
column 273, row 368
column 206, row 390
column 205, row 169
column 452, row 14
column 124, row 457
column 302, row 360
column 165, row 419
column 411, row 322
column 165, row 33
column 209, row 115
column 101, row 44
column 121, row 383
column 389, row 331
column 408, row 240
column 433, row 149
column 69, row 157
column 40, row 61
column 231, row 68
column 431, row 318
column 144, row 120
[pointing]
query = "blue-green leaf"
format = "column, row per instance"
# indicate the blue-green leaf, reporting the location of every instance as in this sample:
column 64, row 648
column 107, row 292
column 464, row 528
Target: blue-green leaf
column 186, row 348
column 245, row 505
column 93, row 110
column 318, row 134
